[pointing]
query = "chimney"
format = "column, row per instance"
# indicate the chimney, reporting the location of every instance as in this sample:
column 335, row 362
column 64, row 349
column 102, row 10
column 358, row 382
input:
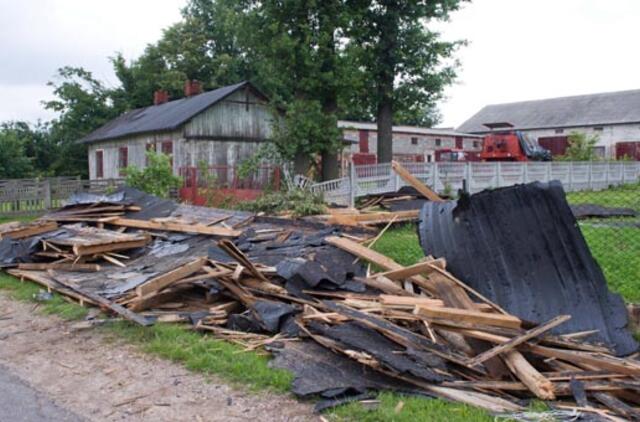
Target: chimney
column 160, row 97
column 192, row 87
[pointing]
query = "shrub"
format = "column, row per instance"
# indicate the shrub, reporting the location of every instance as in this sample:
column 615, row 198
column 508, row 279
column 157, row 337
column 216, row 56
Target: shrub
column 298, row 202
column 156, row 178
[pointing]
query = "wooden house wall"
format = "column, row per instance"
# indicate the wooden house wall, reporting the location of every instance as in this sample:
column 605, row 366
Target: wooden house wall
column 137, row 147
column 241, row 116
column 226, row 134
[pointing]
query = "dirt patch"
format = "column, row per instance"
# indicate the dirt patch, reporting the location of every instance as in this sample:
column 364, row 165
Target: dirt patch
column 99, row 380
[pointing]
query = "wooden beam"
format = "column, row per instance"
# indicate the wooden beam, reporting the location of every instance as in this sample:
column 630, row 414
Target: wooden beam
column 409, row 300
column 415, row 182
column 384, row 285
column 160, row 282
column 534, row 380
column 118, row 309
column 174, row 227
column 512, row 343
column 424, row 267
column 28, row 230
column 83, row 250
column 88, row 268
column 468, row 316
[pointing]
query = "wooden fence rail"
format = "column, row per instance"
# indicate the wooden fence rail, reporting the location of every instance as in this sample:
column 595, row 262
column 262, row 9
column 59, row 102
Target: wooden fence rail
column 37, row 196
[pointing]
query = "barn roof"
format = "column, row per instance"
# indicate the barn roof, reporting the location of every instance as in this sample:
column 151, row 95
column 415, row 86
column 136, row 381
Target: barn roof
column 584, row 110
column 163, row 117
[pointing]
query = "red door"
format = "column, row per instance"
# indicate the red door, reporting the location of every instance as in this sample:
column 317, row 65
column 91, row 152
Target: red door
column 459, row 142
column 99, row 164
column 363, row 138
column 123, row 160
column 556, row 144
column 167, row 149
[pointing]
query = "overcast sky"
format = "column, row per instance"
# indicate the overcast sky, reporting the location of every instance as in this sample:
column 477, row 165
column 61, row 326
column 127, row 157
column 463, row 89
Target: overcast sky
column 518, row 49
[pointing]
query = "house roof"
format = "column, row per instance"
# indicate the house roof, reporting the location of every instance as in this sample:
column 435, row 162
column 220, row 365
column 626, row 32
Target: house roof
column 347, row 124
column 163, row 117
column 563, row 112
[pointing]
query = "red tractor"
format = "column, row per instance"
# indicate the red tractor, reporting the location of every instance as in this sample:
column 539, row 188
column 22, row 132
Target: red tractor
column 506, row 144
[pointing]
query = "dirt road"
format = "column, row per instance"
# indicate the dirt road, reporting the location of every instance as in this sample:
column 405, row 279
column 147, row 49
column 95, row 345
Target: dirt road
column 84, row 376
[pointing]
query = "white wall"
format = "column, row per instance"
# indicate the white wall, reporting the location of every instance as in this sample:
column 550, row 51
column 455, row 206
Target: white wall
column 609, row 136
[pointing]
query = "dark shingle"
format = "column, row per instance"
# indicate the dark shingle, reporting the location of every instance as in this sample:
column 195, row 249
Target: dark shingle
column 163, row 117
column 584, row 110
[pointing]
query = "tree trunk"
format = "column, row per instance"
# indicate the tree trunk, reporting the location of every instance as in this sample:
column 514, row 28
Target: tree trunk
column 301, row 164
column 385, row 130
column 330, row 166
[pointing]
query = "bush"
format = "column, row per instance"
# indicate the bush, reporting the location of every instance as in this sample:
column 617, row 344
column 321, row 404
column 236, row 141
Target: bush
column 298, row 202
column 156, row 178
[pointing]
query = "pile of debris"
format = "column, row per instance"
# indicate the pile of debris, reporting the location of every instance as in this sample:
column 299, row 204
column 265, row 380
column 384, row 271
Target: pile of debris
column 303, row 291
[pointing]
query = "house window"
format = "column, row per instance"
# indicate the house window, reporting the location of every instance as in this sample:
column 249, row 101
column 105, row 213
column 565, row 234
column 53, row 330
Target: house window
column 438, row 142
column 99, row 164
column 476, row 144
column 598, row 129
column 123, row 160
column 599, row 152
column 414, row 141
column 559, row 131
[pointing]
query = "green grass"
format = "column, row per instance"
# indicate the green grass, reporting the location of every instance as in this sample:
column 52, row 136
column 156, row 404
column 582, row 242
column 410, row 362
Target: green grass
column 27, row 292
column 616, row 249
column 414, row 409
column 205, row 354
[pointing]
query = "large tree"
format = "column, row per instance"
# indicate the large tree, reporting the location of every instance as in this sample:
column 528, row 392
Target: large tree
column 405, row 64
column 83, row 104
column 14, row 162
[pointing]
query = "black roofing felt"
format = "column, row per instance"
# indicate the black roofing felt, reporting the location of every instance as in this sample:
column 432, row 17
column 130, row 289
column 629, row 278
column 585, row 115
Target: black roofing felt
column 521, row 247
column 163, row 117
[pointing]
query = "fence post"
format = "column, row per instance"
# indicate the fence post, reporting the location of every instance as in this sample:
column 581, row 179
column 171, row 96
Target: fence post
column 549, row 173
column 590, row 178
column 352, row 185
column 570, row 177
column 46, row 187
column 436, row 176
column 606, row 179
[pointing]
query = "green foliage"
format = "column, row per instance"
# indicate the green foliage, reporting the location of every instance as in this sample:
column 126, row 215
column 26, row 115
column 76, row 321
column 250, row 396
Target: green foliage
column 297, row 202
column 156, row 178
column 14, row 162
column 83, row 104
column 581, row 147
column 306, row 131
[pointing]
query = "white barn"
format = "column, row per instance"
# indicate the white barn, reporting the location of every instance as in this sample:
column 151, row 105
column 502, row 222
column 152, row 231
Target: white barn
column 613, row 116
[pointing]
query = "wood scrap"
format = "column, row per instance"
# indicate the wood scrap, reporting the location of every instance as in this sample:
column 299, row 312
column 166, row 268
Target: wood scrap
column 413, row 181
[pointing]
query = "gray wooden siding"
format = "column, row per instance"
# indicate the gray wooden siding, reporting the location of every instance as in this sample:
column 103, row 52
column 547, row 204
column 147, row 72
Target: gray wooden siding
column 136, row 149
column 233, row 118
column 231, row 153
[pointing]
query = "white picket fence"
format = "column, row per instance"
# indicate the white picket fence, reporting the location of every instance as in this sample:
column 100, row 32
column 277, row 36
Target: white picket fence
column 575, row 176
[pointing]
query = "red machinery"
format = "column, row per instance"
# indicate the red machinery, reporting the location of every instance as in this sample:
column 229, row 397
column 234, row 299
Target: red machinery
column 509, row 145
column 454, row 155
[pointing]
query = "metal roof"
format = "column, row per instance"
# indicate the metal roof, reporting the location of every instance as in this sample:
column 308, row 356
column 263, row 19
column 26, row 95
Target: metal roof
column 564, row 112
column 163, row 117
column 346, row 124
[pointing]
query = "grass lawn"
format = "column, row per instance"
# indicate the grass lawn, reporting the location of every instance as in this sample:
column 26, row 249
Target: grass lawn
column 616, row 248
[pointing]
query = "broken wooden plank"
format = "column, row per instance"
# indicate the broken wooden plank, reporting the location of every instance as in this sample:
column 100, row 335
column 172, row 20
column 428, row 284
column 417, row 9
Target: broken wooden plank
column 90, row 268
column 529, row 376
column 512, row 343
column 174, row 227
column 160, row 282
column 82, row 250
column 118, row 309
column 424, row 267
column 21, row 231
column 415, row 182
column 469, row 316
